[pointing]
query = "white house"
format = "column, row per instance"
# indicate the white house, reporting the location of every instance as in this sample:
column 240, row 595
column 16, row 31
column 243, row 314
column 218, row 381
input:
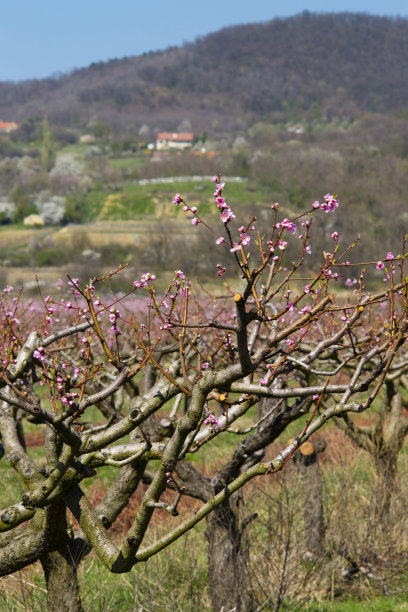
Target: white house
column 178, row 141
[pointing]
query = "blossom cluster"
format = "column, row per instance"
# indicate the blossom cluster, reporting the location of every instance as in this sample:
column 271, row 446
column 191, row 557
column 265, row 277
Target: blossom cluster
column 329, row 205
column 226, row 212
column 144, row 280
column 211, row 421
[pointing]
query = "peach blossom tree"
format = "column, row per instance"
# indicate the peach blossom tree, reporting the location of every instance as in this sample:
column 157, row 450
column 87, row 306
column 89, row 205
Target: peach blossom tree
column 145, row 381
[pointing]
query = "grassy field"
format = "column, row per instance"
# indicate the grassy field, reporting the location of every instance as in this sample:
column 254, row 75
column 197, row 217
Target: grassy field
column 176, row 579
column 118, row 221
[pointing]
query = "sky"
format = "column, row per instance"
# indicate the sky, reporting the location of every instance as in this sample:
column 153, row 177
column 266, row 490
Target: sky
column 47, row 37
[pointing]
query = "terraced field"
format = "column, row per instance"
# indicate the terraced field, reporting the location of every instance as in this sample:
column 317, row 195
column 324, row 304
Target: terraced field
column 119, row 218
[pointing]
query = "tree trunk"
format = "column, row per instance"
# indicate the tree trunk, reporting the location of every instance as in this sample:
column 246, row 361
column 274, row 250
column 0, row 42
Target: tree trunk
column 61, row 565
column 385, row 465
column 226, row 562
column 60, row 572
column 313, row 513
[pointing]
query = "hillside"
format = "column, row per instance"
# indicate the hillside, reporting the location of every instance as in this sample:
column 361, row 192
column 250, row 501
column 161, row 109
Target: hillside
column 310, row 66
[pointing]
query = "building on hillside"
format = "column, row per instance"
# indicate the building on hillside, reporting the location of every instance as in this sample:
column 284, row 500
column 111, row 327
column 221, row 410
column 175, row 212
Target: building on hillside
column 87, row 139
column 8, row 126
column 178, row 141
column 296, row 129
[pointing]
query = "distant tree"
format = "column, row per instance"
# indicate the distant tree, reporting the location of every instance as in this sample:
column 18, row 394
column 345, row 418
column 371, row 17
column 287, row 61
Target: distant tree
column 101, row 130
column 48, row 149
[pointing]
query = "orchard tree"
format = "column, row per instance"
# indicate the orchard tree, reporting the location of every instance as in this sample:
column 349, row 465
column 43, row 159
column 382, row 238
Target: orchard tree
column 174, row 371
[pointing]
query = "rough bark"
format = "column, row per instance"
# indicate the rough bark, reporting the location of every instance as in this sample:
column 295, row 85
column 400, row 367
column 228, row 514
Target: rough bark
column 60, row 570
column 60, row 566
column 313, row 510
column 226, row 562
column 385, row 465
column 227, row 557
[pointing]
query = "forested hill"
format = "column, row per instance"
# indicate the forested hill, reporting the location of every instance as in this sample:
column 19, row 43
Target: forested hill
column 308, row 66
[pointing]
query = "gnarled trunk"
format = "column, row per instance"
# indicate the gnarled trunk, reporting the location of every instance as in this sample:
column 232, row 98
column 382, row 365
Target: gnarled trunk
column 226, row 562
column 61, row 576
column 385, row 465
column 313, row 512
column 60, row 566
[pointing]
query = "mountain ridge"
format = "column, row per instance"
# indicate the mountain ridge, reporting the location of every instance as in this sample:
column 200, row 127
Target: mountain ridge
column 311, row 65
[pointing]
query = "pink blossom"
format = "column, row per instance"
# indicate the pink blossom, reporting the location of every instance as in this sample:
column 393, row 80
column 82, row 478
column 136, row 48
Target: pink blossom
column 147, row 276
column 335, row 236
column 205, row 365
column 193, row 209
column 177, row 199
column 245, row 239
column 308, row 249
column 195, row 221
column 389, row 256
column 282, row 245
column 218, row 189
column 235, row 247
column 380, row 265
column 227, row 215
column 214, row 179
column 220, row 240
column 289, row 225
column 211, row 420
column 39, row 353
column 315, row 204
column 330, row 203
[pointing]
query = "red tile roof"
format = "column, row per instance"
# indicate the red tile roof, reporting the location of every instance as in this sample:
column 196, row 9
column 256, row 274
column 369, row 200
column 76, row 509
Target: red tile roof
column 175, row 136
column 6, row 125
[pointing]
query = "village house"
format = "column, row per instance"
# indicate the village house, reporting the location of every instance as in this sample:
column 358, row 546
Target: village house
column 177, row 141
column 296, row 129
column 8, row 126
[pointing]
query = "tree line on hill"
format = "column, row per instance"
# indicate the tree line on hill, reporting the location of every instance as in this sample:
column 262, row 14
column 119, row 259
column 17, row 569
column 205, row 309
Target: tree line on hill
column 308, row 66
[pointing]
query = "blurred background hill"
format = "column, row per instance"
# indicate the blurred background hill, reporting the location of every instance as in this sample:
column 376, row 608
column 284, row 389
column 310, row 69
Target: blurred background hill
column 296, row 107
column 306, row 67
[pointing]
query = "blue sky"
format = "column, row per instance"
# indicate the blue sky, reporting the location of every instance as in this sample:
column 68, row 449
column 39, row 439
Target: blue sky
column 44, row 37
